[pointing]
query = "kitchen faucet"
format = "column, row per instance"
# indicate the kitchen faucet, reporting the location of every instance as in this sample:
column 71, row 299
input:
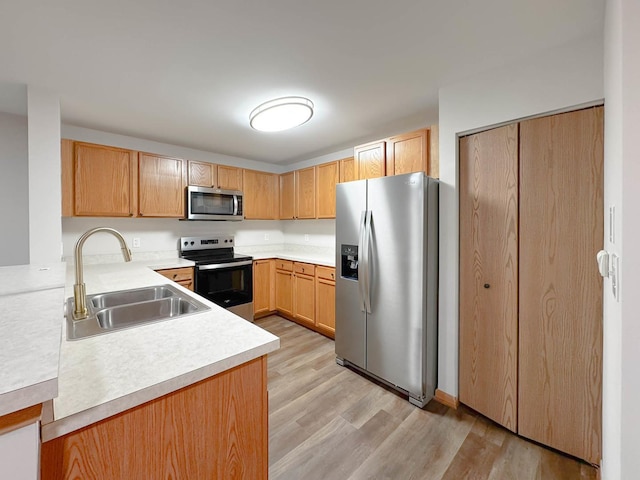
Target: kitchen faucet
column 79, row 290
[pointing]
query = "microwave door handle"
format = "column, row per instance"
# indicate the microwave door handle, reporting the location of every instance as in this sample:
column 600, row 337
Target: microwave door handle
column 235, row 205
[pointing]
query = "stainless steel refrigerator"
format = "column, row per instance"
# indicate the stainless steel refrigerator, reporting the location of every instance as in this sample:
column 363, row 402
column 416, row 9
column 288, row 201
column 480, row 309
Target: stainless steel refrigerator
column 386, row 285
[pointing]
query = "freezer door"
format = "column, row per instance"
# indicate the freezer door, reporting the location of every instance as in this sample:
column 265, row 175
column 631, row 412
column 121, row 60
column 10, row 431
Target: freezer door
column 350, row 335
column 396, row 324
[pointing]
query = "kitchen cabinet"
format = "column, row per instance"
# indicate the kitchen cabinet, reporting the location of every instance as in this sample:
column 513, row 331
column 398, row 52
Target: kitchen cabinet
column 408, row 153
column 183, row 276
column 216, row 428
column 531, row 222
column 284, row 287
column 66, row 171
column 287, row 196
column 229, row 178
column 104, row 181
column 327, row 177
column 304, row 293
column 370, row 160
column 202, row 174
column 161, row 186
column 326, row 300
column 264, row 292
column 261, row 194
column 305, row 193
column 20, row 444
column 348, row 170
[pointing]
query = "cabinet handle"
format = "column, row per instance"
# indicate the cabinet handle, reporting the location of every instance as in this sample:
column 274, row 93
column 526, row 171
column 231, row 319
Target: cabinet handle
column 486, row 285
column 175, row 275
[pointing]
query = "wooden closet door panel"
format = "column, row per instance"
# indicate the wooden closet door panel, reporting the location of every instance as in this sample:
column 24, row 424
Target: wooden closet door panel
column 561, row 230
column 489, row 273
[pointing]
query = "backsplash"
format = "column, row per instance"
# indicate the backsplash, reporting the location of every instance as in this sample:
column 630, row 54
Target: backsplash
column 159, row 236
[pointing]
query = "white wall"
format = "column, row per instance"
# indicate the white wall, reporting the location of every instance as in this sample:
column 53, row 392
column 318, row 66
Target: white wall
column 553, row 80
column 45, row 229
column 162, row 234
column 133, row 143
column 14, row 189
column 621, row 416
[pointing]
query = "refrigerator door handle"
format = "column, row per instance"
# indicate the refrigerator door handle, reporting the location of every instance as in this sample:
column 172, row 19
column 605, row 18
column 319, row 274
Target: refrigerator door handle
column 361, row 261
column 367, row 264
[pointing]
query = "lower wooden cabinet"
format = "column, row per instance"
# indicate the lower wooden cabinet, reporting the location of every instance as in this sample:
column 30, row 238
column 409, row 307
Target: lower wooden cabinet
column 326, row 301
column 284, row 287
column 216, row 428
column 304, row 294
column 183, row 276
column 264, row 292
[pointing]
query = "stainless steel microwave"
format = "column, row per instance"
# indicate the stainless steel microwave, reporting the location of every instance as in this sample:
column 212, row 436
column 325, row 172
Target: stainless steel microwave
column 204, row 203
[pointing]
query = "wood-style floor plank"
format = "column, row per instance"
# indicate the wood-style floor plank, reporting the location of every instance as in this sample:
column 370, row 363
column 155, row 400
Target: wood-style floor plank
column 328, row 422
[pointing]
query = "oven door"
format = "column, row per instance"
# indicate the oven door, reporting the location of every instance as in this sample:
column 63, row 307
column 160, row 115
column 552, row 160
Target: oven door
column 226, row 284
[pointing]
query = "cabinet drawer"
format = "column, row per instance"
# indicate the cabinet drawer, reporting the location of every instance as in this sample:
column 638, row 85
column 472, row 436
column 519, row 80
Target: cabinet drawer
column 328, row 273
column 304, row 268
column 284, row 265
column 178, row 274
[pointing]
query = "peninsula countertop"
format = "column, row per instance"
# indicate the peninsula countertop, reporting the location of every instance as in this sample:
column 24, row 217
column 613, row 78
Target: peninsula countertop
column 108, row 374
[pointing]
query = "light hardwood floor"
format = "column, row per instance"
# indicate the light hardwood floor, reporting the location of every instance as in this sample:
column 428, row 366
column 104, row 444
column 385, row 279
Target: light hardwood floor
column 327, row 422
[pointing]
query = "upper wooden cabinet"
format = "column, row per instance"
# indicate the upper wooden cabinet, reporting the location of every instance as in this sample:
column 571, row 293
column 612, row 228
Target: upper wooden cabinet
column 261, row 195
column 103, row 180
column 204, row 174
column 305, row 186
column 287, row 196
column 370, row 160
column 408, row 153
column 160, row 186
column 229, row 178
column 327, row 176
column 348, row 170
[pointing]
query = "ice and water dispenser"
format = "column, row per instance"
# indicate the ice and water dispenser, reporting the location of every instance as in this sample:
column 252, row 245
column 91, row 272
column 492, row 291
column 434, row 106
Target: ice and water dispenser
column 349, row 263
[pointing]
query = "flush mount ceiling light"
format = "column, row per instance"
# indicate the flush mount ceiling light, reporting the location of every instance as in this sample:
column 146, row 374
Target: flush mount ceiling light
column 281, row 114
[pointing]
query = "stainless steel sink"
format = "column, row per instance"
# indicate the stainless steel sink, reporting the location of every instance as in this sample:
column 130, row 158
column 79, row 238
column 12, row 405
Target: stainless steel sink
column 129, row 308
column 125, row 297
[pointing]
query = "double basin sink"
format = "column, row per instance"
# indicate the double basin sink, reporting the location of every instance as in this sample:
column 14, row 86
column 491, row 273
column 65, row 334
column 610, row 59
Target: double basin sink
column 129, row 308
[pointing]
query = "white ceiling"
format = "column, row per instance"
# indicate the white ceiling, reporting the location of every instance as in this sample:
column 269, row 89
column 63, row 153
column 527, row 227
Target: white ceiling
column 188, row 72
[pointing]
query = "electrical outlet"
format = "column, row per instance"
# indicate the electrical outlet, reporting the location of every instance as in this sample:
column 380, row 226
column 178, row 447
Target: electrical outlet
column 306, row 237
column 136, row 242
column 266, row 236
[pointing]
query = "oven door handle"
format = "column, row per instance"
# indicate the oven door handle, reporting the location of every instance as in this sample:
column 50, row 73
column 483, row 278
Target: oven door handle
column 224, row 265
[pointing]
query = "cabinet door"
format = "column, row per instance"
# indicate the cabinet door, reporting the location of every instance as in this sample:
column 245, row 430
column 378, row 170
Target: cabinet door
column 408, row 153
column 263, row 289
column 284, row 292
column 371, row 160
column 229, row 178
column 202, row 174
column 104, row 180
column 489, row 273
column 327, row 178
column 66, row 157
column 305, row 193
column 434, row 151
column 326, row 306
column 304, row 299
column 261, row 194
column 161, row 186
column 561, row 218
column 287, row 196
column 348, row 170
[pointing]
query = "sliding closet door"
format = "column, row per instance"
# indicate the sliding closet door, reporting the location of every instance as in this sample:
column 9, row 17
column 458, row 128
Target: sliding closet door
column 489, row 273
column 561, row 230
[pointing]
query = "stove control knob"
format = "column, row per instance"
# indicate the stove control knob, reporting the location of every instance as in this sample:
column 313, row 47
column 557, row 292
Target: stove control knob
column 192, row 243
column 231, row 240
column 186, row 243
column 226, row 241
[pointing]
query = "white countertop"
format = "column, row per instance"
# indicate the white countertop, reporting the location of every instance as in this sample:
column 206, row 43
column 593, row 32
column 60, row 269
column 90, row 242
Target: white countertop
column 317, row 257
column 108, row 374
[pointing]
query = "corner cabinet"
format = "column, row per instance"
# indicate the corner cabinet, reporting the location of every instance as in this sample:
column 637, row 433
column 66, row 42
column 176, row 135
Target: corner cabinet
column 183, row 276
column 161, row 186
column 261, row 194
